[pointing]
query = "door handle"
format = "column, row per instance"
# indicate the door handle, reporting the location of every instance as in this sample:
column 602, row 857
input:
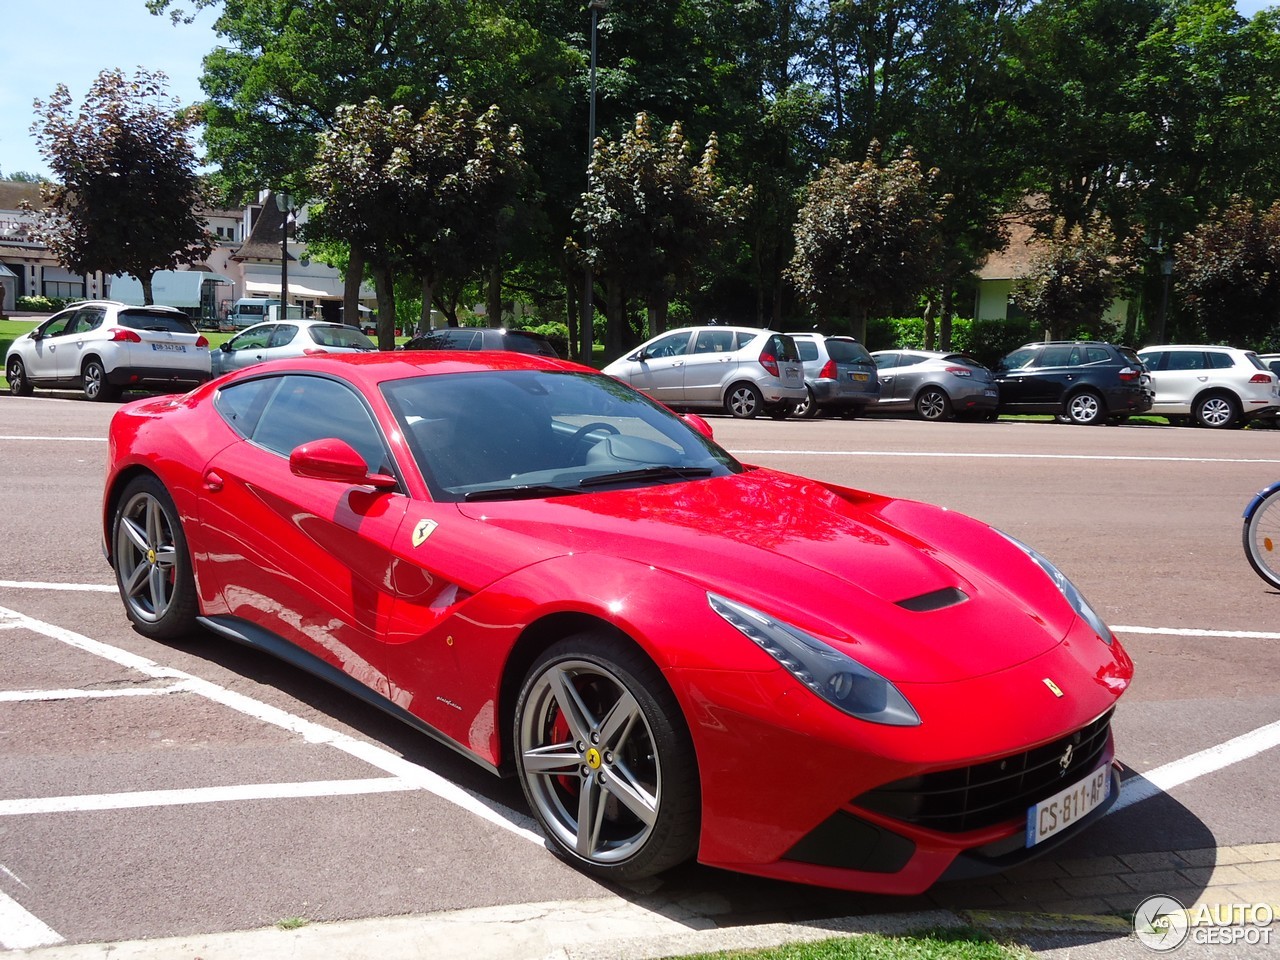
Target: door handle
column 212, row 482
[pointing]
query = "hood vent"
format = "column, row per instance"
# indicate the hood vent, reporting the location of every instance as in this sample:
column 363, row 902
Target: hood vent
column 934, row 600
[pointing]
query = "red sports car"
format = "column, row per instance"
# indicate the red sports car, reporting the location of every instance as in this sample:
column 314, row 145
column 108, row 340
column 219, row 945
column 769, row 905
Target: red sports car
column 678, row 654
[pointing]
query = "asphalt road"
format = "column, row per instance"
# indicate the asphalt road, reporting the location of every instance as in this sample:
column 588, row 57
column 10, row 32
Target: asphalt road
column 209, row 788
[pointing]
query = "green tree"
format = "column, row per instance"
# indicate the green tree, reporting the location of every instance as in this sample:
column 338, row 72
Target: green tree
column 422, row 195
column 650, row 217
column 1071, row 282
column 867, row 237
column 1227, row 276
column 127, row 197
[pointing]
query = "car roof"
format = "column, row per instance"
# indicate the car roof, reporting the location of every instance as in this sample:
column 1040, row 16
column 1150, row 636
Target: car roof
column 121, row 305
column 1194, row 346
column 370, row 369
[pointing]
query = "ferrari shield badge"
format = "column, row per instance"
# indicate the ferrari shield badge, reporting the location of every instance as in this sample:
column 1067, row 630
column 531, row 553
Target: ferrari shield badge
column 1053, row 687
column 423, row 530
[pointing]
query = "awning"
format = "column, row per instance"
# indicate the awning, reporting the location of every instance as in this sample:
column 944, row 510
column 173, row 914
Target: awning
column 261, row 288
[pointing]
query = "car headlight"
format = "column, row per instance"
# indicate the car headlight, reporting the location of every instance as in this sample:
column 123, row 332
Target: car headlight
column 835, row 677
column 1069, row 590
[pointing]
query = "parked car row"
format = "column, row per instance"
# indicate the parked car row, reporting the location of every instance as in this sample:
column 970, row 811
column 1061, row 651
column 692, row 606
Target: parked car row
column 745, row 371
column 102, row 347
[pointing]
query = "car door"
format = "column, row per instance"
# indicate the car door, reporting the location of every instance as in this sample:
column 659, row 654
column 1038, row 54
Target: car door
column 309, row 560
column 1015, row 374
column 658, row 369
column 907, row 377
column 886, row 373
column 77, row 338
column 245, row 349
column 41, row 354
column 1179, row 378
column 709, row 365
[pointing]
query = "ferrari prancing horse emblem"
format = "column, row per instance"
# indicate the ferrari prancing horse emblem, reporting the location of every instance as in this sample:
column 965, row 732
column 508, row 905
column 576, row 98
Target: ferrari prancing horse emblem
column 423, row 530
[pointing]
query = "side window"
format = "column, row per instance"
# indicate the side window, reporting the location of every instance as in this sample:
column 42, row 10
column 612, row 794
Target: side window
column 461, row 339
column 1154, row 360
column 1096, row 355
column 315, row 408
column 1055, row 355
column 1018, row 359
column 808, row 350
column 910, row 360
column 88, row 318
column 885, row 361
column 1185, row 360
column 783, row 347
column 1219, row 360
column 256, row 339
column 282, row 335
column 676, row 345
column 241, row 404
column 742, row 338
column 59, row 324
column 717, row 341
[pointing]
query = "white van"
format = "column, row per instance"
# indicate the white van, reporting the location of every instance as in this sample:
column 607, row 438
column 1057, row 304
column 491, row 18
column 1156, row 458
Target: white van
column 247, row 311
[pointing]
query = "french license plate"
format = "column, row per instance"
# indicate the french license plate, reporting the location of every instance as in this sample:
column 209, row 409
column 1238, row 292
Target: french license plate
column 1068, row 806
column 170, row 347
column 860, row 377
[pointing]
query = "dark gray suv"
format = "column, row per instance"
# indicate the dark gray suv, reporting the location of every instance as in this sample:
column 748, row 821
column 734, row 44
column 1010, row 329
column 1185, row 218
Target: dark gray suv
column 1079, row 381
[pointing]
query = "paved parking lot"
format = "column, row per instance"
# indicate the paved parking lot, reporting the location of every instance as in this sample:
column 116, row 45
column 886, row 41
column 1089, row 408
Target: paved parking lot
column 151, row 790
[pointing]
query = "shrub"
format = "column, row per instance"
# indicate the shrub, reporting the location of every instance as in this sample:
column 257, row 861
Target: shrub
column 41, row 304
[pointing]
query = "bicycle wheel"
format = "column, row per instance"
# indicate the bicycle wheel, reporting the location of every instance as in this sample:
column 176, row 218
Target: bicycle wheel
column 1262, row 535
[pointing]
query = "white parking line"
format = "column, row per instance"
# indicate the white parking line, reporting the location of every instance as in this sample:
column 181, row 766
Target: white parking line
column 175, row 798
column 376, row 756
column 47, row 696
column 992, row 456
column 1165, row 778
column 67, row 439
column 1188, row 632
column 37, row 585
column 20, row 930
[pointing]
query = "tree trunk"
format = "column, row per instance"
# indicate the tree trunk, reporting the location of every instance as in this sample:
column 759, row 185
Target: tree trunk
column 572, row 312
column 147, row 298
column 657, row 306
column 351, row 288
column 424, row 316
column 384, row 285
column 493, row 301
column 860, row 315
column 616, row 316
column 944, row 323
column 930, row 331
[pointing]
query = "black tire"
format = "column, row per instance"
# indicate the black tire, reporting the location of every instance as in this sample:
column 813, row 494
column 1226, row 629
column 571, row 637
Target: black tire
column 743, row 401
column 568, row 760
column 16, row 374
column 151, row 561
column 1085, row 408
column 780, row 411
column 94, row 383
column 1262, row 538
column 1218, row 411
column 807, row 408
column 1118, row 420
column 932, row 403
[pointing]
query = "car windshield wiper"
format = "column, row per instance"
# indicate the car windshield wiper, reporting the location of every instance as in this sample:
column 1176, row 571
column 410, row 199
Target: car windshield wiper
column 520, row 491
column 656, row 472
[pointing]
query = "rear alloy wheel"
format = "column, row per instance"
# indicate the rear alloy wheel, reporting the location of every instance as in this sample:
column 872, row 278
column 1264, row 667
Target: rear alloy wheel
column 16, row 374
column 605, row 760
column 933, row 404
column 94, row 382
column 151, row 561
column 743, row 401
column 1086, row 408
column 807, row 408
column 1217, row 410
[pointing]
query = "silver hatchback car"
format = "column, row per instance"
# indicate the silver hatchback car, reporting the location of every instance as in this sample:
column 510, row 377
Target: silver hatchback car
column 743, row 371
column 288, row 338
column 936, row 385
column 839, row 374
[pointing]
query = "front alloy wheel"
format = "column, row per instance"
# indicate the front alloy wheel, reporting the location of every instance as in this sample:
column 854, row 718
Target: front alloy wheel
column 153, row 568
column 605, row 760
column 16, row 374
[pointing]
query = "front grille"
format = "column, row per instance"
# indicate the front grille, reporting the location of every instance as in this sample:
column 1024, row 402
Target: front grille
column 970, row 798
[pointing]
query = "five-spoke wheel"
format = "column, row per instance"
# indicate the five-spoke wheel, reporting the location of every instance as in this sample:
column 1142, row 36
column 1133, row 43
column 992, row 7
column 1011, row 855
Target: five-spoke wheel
column 153, row 569
column 605, row 759
column 16, row 374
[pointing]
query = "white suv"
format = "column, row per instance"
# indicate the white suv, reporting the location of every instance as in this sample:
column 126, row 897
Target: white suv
column 102, row 347
column 1210, row 385
column 743, row 371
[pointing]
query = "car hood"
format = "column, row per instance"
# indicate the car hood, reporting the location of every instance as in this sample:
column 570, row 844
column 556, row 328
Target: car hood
column 915, row 592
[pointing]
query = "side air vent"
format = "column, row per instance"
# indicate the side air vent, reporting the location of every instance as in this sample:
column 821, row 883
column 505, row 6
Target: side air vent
column 935, row 600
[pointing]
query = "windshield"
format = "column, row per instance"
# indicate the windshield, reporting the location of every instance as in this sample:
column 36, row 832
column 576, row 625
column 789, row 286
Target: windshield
column 499, row 435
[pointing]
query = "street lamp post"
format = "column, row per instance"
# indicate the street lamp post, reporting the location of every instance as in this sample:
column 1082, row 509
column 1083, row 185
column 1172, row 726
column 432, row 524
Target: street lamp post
column 1166, row 271
column 283, row 203
column 587, row 321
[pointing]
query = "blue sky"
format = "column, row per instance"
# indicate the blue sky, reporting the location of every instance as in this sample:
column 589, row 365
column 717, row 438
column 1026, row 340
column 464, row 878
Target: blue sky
column 71, row 41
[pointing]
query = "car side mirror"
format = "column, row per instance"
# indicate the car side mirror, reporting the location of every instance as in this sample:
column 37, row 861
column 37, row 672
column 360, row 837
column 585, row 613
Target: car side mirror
column 226, row 347
column 695, row 421
column 336, row 460
column 638, row 356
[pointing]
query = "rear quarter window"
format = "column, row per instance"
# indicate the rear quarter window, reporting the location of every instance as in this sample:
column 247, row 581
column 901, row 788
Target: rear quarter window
column 336, row 336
